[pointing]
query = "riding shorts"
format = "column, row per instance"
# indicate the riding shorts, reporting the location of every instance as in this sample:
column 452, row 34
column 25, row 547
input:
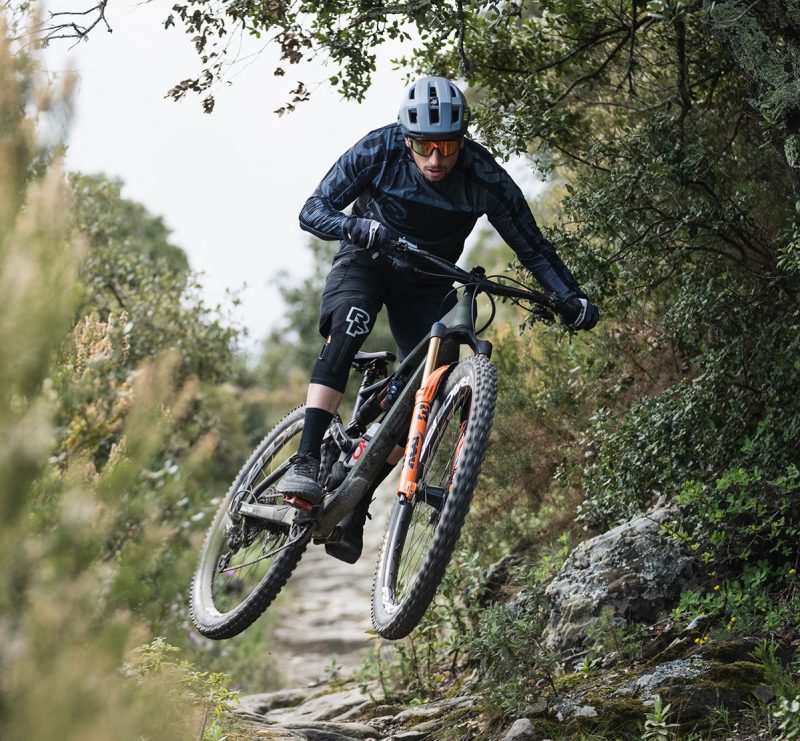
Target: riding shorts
column 358, row 286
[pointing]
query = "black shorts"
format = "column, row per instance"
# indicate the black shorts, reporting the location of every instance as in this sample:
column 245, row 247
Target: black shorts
column 359, row 284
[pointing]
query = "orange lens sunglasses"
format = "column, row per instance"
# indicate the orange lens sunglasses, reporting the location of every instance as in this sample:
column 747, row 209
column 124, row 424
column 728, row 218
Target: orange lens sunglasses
column 425, row 148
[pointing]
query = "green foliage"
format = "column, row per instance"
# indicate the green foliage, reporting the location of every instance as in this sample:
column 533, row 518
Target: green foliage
column 105, row 218
column 516, row 665
column 744, row 529
column 132, row 270
column 107, row 455
column 788, row 716
column 736, row 409
column 187, row 687
column 610, row 634
column 777, row 676
column 66, row 625
column 656, row 725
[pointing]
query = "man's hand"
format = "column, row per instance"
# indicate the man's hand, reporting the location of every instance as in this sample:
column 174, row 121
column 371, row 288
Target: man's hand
column 580, row 313
column 366, row 233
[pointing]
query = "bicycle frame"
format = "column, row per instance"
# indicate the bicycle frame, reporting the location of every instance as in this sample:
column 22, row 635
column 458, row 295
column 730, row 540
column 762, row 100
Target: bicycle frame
column 459, row 328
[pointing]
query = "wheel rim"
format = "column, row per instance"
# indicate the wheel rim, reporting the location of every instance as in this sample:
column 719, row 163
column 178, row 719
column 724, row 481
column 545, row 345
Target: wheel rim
column 438, row 458
column 242, row 550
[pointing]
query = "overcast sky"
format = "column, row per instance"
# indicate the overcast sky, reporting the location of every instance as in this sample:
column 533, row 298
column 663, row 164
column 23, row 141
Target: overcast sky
column 231, row 184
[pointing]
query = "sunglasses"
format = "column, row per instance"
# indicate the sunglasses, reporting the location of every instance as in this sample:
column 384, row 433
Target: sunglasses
column 425, row 148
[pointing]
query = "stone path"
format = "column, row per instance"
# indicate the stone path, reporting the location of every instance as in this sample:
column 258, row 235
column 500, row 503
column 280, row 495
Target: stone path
column 350, row 714
column 325, row 612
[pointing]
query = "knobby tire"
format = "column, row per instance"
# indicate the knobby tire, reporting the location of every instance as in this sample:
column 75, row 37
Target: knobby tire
column 398, row 603
column 210, row 613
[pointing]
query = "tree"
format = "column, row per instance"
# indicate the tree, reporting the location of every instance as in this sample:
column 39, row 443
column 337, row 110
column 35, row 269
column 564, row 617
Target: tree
column 133, row 269
column 105, row 218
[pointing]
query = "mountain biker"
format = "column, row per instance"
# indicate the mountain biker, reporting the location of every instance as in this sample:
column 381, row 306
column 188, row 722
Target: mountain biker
column 420, row 178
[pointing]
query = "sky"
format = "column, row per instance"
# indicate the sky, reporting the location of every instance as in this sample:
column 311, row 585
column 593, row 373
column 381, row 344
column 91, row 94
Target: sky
column 229, row 185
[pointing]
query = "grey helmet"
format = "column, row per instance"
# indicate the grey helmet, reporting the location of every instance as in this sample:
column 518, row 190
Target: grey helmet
column 433, row 108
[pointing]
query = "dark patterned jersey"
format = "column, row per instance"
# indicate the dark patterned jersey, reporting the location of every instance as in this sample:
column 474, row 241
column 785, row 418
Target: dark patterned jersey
column 379, row 177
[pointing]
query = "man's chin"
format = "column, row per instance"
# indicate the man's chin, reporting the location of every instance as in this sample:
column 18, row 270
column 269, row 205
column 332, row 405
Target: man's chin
column 434, row 176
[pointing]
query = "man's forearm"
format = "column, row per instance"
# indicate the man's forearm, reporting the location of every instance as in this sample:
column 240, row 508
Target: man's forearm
column 321, row 219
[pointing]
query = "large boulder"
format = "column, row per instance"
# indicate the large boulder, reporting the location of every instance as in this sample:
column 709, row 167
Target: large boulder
column 632, row 573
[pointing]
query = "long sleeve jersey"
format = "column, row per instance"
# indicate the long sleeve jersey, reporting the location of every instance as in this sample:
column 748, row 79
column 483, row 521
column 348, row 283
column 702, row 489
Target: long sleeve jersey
column 379, row 177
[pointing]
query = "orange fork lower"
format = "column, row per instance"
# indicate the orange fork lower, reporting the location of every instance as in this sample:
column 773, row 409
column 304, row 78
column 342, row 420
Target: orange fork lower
column 416, row 434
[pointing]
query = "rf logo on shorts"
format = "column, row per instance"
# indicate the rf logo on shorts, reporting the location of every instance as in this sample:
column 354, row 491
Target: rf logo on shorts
column 357, row 322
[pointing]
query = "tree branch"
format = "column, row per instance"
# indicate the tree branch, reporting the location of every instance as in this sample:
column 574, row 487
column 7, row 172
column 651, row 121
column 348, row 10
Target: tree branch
column 591, row 75
column 72, row 29
column 462, row 55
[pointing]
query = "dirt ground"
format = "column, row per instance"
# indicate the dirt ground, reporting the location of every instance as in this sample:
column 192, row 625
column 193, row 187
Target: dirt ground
column 322, row 619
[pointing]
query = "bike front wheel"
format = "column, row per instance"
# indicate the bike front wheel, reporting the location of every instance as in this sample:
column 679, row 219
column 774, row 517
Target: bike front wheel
column 422, row 533
column 245, row 561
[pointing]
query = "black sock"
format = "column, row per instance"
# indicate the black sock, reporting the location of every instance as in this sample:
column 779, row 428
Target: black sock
column 316, row 422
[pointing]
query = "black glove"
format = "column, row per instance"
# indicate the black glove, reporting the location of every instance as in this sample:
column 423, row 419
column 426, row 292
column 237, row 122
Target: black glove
column 366, row 233
column 580, row 313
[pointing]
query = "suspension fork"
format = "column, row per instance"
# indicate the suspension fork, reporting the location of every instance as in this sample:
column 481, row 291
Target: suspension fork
column 431, row 380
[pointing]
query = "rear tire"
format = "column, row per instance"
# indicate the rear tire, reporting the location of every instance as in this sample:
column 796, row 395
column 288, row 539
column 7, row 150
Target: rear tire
column 244, row 562
column 422, row 534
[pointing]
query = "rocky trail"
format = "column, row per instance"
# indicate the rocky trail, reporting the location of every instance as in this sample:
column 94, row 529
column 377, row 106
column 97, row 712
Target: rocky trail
column 623, row 571
column 351, row 713
column 322, row 621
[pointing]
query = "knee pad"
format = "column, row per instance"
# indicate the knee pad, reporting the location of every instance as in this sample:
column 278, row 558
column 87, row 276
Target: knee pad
column 349, row 327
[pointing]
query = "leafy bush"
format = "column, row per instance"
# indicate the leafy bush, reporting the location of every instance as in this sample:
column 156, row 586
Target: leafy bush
column 515, row 666
column 744, row 529
column 737, row 408
column 187, row 688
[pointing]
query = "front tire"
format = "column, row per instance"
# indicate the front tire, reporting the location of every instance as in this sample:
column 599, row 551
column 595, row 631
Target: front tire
column 244, row 562
column 422, row 534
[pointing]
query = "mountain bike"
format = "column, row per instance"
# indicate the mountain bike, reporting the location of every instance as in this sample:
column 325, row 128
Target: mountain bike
column 441, row 406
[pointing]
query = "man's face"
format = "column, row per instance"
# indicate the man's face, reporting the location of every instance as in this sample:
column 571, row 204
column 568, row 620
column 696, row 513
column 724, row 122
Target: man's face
column 434, row 167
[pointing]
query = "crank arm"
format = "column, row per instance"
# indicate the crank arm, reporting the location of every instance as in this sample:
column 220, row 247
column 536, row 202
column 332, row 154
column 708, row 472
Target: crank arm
column 277, row 514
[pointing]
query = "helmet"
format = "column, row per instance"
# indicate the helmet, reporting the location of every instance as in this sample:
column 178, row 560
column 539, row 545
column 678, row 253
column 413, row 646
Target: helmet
column 433, row 108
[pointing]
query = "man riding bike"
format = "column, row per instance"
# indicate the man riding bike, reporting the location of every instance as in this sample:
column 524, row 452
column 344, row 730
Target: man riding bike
column 422, row 179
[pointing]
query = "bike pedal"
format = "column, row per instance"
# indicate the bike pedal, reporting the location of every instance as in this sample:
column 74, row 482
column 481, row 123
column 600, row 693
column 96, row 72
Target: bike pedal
column 305, row 512
column 298, row 503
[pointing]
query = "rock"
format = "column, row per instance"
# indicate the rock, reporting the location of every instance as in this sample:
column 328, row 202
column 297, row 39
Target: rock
column 276, row 734
column 537, row 709
column 333, row 731
column 521, row 730
column 421, row 713
column 261, row 704
column 632, row 570
column 663, row 675
column 564, row 709
column 694, row 686
column 381, row 711
column 322, row 707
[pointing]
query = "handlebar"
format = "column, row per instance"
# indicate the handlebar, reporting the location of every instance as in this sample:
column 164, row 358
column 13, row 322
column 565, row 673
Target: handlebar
column 476, row 278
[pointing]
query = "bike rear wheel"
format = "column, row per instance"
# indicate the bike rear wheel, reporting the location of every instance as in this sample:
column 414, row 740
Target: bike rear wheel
column 245, row 562
column 422, row 533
